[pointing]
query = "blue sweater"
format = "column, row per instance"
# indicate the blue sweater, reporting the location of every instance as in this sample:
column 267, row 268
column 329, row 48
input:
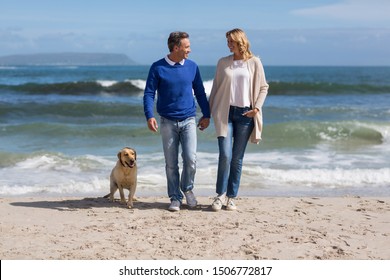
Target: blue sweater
column 174, row 85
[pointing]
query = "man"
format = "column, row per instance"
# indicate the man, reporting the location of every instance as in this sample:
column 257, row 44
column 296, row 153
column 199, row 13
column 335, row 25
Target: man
column 176, row 80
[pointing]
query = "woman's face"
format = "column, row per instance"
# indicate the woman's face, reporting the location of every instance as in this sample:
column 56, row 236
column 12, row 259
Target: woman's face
column 232, row 45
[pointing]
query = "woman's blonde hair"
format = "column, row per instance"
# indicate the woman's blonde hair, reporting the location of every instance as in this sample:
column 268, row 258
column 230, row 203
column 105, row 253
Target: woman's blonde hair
column 239, row 36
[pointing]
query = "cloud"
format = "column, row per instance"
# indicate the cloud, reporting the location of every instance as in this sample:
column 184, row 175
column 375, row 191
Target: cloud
column 332, row 46
column 350, row 10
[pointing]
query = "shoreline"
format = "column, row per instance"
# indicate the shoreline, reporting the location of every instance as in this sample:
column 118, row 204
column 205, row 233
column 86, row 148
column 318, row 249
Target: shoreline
column 274, row 228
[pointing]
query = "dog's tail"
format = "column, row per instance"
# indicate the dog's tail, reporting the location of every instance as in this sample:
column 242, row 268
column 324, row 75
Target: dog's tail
column 106, row 196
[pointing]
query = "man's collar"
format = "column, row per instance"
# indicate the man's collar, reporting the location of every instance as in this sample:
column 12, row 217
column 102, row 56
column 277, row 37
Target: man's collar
column 170, row 62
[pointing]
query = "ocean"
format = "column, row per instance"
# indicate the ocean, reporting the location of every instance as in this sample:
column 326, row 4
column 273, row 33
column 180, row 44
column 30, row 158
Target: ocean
column 326, row 132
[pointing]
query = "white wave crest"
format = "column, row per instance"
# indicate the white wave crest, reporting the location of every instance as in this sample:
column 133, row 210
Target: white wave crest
column 207, row 86
column 106, row 83
column 138, row 83
column 273, row 173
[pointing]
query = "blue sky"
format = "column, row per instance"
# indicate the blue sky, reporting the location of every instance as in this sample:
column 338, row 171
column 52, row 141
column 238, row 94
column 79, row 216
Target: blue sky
column 282, row 32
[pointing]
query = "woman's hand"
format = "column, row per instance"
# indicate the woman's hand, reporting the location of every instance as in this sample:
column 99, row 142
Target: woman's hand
column 251, row 113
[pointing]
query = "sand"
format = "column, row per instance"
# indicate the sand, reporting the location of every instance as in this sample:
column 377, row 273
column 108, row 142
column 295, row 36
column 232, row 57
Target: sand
column 273, row 228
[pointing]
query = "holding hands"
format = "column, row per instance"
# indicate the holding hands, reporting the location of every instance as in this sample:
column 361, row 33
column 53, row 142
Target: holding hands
column 203, row 123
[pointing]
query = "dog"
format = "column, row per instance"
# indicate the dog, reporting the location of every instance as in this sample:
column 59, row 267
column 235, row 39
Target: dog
column 124, row 176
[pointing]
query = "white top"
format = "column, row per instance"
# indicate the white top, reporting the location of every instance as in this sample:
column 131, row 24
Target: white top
column 240, row 96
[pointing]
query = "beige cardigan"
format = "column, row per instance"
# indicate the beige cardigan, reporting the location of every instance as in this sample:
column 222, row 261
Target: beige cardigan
column 221, row 91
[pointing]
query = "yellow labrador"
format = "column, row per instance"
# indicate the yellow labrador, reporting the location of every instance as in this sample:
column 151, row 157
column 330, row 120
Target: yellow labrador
column 124, row 176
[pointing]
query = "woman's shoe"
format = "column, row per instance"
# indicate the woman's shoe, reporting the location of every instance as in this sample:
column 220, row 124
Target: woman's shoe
column 230, row 205
column 217, row 204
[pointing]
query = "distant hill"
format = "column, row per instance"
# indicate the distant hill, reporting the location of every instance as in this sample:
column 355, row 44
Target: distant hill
column 67, row 58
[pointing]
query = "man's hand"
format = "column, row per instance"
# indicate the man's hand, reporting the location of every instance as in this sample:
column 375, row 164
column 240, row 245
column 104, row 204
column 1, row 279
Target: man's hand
column 203, row 123
column 152, row 124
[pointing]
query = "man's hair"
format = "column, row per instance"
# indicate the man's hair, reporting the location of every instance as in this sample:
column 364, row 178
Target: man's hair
column 175, row 39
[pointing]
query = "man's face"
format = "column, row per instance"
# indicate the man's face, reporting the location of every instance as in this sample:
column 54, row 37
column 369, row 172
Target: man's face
column 184, row 50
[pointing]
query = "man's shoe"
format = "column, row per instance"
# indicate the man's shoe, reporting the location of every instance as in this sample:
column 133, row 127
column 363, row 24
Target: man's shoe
column 191, row 200
column 230, row 205
column 217, row 204
column 175, row 206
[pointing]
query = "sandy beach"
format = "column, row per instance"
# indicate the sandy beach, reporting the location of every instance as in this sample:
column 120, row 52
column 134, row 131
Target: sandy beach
column 273, row 228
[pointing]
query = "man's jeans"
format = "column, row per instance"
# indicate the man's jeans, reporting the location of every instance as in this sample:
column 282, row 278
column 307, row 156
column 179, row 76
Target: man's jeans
column 231, row 151
column 174, row 134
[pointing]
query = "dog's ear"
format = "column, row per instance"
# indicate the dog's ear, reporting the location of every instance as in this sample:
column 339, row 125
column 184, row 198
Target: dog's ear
column 119, row 154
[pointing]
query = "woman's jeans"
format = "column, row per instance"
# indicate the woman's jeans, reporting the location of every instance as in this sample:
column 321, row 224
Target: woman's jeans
column 174, row 134
column 231, row 151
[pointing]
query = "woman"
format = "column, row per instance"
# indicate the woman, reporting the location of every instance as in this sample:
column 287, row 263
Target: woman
column 236, row 99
